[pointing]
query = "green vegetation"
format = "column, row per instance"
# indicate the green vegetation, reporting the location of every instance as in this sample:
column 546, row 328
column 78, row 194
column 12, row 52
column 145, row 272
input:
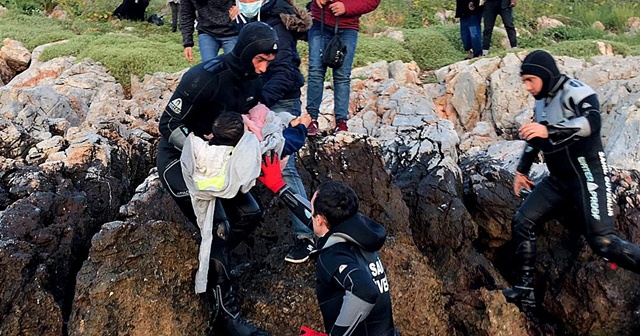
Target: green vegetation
column 139, row 48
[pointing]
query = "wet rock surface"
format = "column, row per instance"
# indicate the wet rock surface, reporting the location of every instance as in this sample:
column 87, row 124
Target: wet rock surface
column 91, row 244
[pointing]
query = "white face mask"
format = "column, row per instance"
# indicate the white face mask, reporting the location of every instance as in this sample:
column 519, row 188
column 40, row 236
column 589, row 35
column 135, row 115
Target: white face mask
column 250, row 10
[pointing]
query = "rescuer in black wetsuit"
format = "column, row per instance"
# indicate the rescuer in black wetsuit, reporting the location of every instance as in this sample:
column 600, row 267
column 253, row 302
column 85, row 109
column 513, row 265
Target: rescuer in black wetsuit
column 227, row 83
column 567, row 132
column 352, row 287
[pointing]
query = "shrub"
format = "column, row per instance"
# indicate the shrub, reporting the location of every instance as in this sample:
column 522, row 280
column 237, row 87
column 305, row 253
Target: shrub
column 371, row 50
column 430, row 48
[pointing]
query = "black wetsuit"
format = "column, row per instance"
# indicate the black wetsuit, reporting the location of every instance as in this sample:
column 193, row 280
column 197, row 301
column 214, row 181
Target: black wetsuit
column 352, row 286
column 579, row 176
column 205, row 91
column 226, row 83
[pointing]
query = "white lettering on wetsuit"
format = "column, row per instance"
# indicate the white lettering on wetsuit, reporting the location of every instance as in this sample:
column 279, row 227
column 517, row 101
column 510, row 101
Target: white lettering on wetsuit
column 591, row 187
column 379, row 277
column 607, row 183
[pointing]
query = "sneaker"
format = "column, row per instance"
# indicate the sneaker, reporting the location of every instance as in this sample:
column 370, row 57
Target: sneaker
column 341, row 125
column 300, row 251
column 312, row 130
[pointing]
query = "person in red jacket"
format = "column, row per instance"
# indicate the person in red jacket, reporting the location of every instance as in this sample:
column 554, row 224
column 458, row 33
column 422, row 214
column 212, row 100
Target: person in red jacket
column 345, row 14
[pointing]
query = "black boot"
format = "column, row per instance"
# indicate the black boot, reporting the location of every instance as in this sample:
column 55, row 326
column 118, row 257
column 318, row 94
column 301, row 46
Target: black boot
column 522, row 293
column 229, row 320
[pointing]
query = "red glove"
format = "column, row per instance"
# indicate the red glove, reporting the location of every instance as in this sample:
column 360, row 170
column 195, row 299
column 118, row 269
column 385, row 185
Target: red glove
column 306, row 331
column 271, row 175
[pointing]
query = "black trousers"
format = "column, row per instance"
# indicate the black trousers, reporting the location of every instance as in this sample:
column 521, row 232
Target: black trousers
column 493, row 8
column 588, row 195
column 175, row 13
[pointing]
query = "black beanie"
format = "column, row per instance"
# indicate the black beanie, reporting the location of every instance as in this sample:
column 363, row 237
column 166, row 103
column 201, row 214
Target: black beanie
column 254, row 38
column 540, row 63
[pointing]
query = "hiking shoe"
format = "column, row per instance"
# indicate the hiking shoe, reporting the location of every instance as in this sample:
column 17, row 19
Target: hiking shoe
column 341, row 125
column 238, row 326
column 300, row 251
column 312, row 130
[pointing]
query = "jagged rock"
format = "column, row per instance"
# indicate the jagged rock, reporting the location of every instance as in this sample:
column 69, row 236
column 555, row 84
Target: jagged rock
column 598, row 25
column 544, row 22
column 6, row 73
column 633, row 24
column 15, row 54
column 58, row 13
column 443, row 192
column 138, row 280
column 391, row 33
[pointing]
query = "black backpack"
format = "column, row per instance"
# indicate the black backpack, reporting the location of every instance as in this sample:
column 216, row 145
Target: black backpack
column 334, row 53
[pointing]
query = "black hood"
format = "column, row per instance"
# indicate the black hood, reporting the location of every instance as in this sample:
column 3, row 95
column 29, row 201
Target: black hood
column 360, row 230
column 540, row 63
column 254, row 38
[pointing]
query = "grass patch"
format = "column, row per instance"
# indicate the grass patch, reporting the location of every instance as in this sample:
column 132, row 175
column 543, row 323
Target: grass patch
column 585, row 48
column 570, row 33
column 32, row 30
column 124, row 54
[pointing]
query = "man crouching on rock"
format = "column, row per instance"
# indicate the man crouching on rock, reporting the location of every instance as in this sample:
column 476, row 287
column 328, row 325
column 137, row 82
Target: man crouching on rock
column 352, row 287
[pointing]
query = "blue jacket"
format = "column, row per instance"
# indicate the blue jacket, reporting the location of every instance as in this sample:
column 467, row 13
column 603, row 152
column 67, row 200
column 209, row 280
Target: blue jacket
column 283, row 78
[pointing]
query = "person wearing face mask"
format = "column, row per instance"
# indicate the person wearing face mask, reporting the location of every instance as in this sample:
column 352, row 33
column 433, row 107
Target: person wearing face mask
column 227, row 83
column 566, row 129
column 215, row 29
column 281, row 91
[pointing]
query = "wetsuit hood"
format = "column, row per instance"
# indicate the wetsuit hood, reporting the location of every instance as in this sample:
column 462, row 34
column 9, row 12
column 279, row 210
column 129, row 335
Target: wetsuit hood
column 359, row 230
column 541, row 64
column 255, row 38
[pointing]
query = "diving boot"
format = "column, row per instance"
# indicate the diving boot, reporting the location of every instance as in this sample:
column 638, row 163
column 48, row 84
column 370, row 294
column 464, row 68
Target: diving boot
column 229, row 321
column 522, row 293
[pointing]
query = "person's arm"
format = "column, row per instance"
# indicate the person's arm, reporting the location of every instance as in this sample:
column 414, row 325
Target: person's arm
column 282, row 70
column 271, row 177
column 521, row 180
column 360, row 292
column 181, row 110
column 187, row 20
column 359, row 7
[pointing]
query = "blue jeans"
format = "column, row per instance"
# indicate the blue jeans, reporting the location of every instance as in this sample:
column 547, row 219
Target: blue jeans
column 471, row 34
column 290, row 173
column 341, row 76
column 210, row 45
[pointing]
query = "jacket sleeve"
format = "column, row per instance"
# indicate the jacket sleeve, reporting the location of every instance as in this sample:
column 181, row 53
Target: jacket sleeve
column 294, row 138
column 359, row 7
column 283, row 74
column 360, row 292
column 529, row 155
column 187, row 20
